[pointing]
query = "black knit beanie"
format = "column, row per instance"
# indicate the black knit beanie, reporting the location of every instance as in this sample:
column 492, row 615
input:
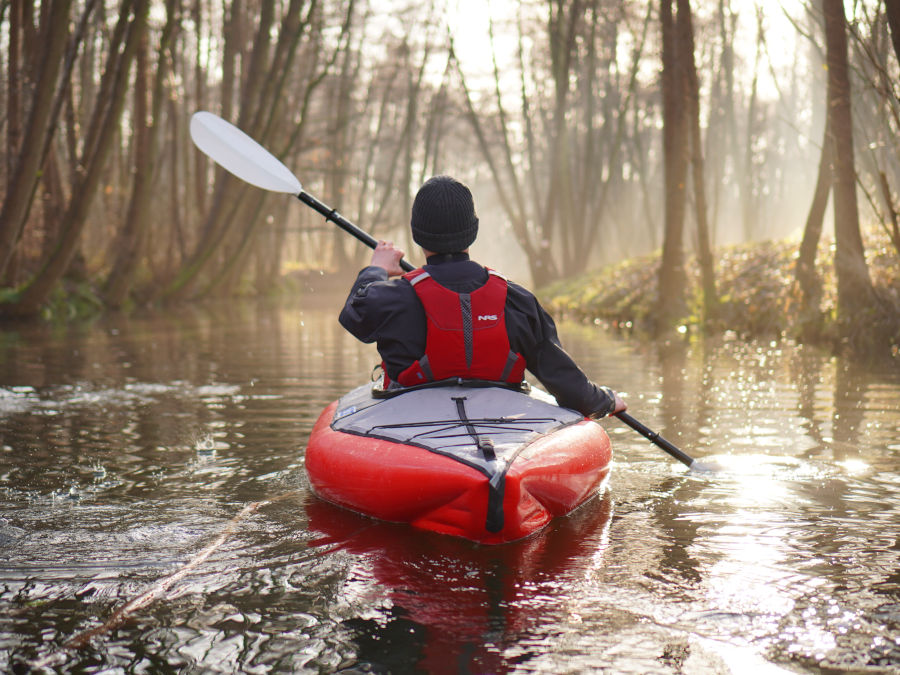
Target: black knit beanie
column 443, row 216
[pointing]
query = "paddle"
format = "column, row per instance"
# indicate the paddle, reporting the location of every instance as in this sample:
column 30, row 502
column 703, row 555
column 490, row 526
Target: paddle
column 661, row 442
column 240, row 155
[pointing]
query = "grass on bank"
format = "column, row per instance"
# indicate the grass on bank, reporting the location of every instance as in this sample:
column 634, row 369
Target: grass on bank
column 757, row 296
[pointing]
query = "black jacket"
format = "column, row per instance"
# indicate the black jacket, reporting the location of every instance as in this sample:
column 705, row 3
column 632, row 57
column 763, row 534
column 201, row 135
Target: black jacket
column 389, row 313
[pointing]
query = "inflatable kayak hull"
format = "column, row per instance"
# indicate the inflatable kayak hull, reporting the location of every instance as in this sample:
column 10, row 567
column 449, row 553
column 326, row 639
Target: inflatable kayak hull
column 485, row 463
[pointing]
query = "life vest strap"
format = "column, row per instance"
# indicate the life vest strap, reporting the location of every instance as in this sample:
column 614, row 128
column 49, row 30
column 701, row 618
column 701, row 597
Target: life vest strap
column 512, row 361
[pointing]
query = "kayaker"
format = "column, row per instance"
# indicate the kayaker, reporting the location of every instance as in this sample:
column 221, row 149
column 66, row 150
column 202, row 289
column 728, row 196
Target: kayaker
column 469, row 309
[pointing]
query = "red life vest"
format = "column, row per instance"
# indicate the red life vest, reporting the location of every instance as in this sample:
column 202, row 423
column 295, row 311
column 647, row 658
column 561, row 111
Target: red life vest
column 466, row 333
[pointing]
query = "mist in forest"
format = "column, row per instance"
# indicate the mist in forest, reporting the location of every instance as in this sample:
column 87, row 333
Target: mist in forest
column 552, row 112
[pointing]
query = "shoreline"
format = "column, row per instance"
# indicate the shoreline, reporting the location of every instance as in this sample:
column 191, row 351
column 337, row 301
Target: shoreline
column 758, row 297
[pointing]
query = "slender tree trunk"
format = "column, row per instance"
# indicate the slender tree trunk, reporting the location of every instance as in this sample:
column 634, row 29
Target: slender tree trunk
column 718, row 133
column 892, row 8
column 40, row 125
column 147, row 150
column 692, row 96
column 369, row 163
column 855, row 293
column 128, row 242
column 748, row 176
column 13, row 122
column 562, row 28
column 13, row 88
column 671, row 305
column 805, row 272
column 337, row 181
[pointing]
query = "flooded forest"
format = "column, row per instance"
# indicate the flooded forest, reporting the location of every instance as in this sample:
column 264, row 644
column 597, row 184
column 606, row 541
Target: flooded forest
column 704, row 194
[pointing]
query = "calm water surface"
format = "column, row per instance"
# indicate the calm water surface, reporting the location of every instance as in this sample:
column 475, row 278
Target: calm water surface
column 158, row 461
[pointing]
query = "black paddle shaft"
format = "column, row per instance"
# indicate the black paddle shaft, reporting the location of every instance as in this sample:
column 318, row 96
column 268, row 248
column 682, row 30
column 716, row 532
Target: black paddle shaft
column 656, row 439
column 339, row 220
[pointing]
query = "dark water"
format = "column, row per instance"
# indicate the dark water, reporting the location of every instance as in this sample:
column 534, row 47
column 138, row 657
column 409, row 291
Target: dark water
column 161, row 457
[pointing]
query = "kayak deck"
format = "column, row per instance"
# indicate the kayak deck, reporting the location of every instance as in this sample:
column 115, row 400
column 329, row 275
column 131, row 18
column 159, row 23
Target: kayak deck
column 489, row 464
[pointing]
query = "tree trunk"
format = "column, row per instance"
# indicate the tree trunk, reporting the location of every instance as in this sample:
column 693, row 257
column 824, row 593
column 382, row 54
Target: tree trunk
column 855, row 293
column 340, row 121
column 748, row 176
column 685, row 30
column 13, row 121
column 13, row 88
column 563, row 31
column 805, row 272
column 671, row 305
column 147, row 150
column 892, row 8
column 40, row 125
column 201, row 200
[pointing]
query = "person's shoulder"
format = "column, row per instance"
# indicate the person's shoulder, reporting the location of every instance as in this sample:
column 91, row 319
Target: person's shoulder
column 516, row 289
column 518, row 297
column 374, row 282
column 396, row 286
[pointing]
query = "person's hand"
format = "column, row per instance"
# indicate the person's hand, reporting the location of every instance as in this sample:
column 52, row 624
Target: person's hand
column 388, row 257
column 621, row 406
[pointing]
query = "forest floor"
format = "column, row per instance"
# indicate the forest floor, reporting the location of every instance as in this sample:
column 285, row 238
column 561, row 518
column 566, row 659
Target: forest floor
column 758, row 297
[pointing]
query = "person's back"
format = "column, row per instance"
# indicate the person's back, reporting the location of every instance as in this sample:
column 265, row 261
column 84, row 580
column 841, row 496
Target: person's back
column 456, row 318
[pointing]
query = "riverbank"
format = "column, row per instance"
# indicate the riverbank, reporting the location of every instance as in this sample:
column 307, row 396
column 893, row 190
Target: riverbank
column 758, row 297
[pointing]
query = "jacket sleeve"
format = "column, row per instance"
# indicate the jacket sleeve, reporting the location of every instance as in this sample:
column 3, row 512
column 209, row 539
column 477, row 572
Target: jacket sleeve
column 386, row 312
column 533, row 334
column 360, row 315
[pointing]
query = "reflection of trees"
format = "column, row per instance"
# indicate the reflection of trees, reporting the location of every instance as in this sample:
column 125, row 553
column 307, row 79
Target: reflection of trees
column 706, row 404
column 806, row 371
column 678, row 533
column 847, row 410
column 672, row 357
column 850, row 388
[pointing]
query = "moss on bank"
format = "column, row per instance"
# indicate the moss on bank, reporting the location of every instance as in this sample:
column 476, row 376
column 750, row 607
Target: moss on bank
column 757, row 297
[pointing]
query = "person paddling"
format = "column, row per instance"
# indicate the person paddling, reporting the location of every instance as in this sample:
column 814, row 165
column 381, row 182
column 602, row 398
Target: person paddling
column 455, row 318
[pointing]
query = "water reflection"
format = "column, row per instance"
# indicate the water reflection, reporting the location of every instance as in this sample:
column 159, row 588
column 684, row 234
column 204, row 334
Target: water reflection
column 453, row 606
column 130, row 444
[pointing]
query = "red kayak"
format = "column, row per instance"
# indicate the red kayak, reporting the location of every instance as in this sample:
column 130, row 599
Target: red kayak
column 482, row 461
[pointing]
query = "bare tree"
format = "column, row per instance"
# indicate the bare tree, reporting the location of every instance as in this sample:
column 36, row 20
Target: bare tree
column 855, row 293
column 805, row 271
column 671, row 304
column 692, row 94
column 747, row 174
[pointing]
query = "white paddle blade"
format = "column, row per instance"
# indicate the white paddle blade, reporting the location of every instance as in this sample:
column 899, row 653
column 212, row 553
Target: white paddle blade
column 239, row 154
